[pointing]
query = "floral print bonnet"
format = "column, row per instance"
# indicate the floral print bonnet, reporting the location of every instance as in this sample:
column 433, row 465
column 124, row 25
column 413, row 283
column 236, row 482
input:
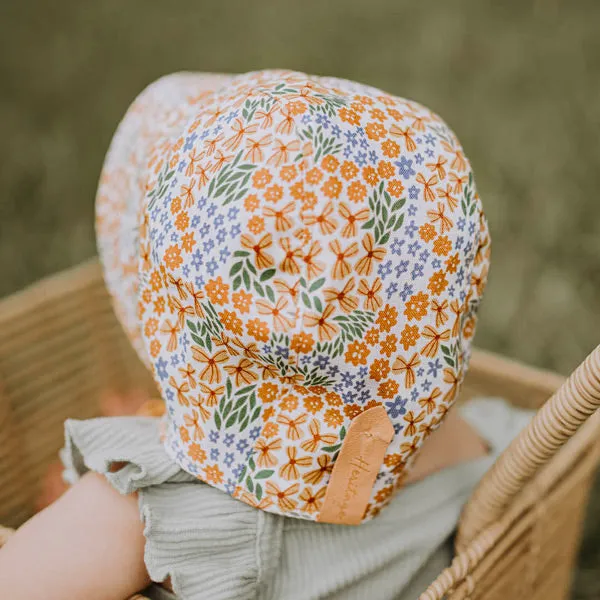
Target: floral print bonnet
column 287, row 253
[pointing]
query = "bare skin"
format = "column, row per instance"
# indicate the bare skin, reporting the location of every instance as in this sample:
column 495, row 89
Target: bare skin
column 67, row 550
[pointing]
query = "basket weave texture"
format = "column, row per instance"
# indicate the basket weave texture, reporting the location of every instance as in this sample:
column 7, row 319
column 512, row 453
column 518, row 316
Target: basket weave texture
column 61, row 349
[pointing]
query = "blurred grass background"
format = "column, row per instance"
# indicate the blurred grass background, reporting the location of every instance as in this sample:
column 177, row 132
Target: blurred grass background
column 519, row 81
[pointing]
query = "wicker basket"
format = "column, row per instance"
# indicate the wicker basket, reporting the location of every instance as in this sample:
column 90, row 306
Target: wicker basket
column 62, row 348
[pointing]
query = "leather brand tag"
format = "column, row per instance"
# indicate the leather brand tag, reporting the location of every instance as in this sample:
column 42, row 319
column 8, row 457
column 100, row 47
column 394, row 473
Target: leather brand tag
column 356, row 467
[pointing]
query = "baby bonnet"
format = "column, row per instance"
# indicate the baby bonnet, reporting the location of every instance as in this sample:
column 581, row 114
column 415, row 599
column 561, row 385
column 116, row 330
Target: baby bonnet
column 299, row 260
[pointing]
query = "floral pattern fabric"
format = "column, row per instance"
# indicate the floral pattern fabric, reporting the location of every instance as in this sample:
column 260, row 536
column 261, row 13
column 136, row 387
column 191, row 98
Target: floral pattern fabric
column 286, row 251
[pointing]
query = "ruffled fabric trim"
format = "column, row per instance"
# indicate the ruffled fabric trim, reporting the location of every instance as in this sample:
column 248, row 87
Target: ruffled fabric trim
column 195, row 535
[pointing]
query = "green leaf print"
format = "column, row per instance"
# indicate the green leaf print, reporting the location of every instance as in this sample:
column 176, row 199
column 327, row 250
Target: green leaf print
column 231, row 183
column 387, row 216
column 161, row 186
column 239, row 407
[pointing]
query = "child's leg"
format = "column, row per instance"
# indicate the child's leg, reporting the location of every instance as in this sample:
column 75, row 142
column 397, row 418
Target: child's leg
column 88, row 544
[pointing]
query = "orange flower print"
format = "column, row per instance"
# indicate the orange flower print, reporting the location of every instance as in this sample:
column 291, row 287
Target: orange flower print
column 170, row 329
column 437, row 283
column 372, row 336
column 385, row 169
column 370, row 175
column 446, row 194
column 388, row 389
column 390, row 149
column 254, row 149
column 406, row 134
column 274, row 193
column 288, row 173
column 283, row 497
column 265, row 449
column 212, row 474
column 313, row 267
column 182, row 221
column 193, row 422
column 325, row 466
column 333, row 417
column 313, row 501
column 458, row 182
column 262, row 260
column 290, row 470
column 387, row 318
column 261, row 178
column 181, row 390
column 428, row 184
column 211, row 372
column 356, row 191
column 251, row 203
column 357, row 353
column 333, row 399
column 438, row 167
column 342, row 268
column 302, row 343
column 459, row 163
column 270, row 429
column 217, row 291
column 283, row 152
column 432, row 347
column 395, row 188
column 440, row 308
column 258, row 329
column 349, row 116
column 188, row 242
column 438, row 216
column 352, row 410
column 294, row 432
column 284, row 288
column 268, row 392
column 416, row 307
column 317, row 438
column 332, row 187
column 231, row 321
column 277, row 312
column 256, row 225
column 442, row 246
column 314, row 176
column 430, row 402
column 375, row 131
column 408, row 368
column 326, row 329
column 409, row 336
column 242, row 372
column 226, row 342
column 412, row 421
column 365, row 265
column 389, row 345
column 280, row 217
column 324, row 220
column 346, row 301
column 349, row 170
column 379, row 369
column 289, row 402
column 352, row 219
column 242, row 301
column 151, row 327
column 373, row 300
column 184, row 435
column 196, row 453
column 330, row 163
column 172, row 257
column 427, row 232
column 313, row 404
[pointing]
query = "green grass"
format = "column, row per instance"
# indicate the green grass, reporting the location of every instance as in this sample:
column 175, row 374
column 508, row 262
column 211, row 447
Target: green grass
column 518, row 81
